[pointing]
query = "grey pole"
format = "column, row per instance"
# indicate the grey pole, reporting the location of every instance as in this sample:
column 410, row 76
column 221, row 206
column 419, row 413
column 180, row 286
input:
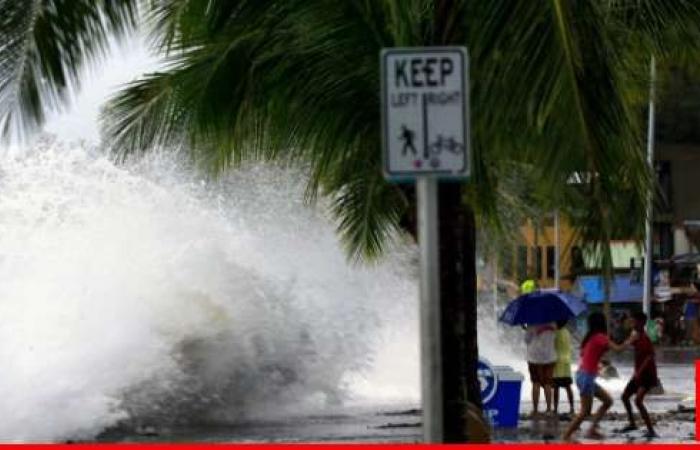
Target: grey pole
column 495, row 290
column 648, row 250
column 556, row 249
column 430, row 347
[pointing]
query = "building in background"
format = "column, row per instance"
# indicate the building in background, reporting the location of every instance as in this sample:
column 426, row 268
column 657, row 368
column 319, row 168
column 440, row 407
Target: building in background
column 534, row 255
column 677, row 164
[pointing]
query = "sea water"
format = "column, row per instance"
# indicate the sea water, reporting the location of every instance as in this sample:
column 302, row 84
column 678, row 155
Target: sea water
column 145, row 293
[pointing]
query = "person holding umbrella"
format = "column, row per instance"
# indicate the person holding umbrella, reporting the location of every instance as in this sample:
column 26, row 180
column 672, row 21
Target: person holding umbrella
column 538, row 312
column 541, row 356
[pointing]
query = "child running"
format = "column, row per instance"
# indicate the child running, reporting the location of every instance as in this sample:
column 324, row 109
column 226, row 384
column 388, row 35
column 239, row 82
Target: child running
column 593, row 346
column 644, row 377
column 562, row 368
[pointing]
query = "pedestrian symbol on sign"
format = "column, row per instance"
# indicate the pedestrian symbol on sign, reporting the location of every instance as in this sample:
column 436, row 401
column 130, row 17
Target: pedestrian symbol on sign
column 408, row 136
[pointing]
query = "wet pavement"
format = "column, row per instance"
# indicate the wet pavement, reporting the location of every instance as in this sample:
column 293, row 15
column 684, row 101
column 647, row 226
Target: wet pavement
column 673, row 411
column 672, row 427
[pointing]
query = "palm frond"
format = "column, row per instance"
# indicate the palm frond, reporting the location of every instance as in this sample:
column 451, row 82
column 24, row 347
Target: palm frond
column 158, row 120
column 665, row 27
column 369, row 212
column 555, row 89
column 45, row 43
column 555, row 86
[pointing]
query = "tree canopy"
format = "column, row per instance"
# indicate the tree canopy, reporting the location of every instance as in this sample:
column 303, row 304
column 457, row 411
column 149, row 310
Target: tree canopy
column 44, row 45
column 557, row 88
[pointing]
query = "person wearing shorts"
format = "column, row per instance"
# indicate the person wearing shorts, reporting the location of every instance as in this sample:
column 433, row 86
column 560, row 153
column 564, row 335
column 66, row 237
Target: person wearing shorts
column 593, row 347
column 562, row 368
column 541, row 357
column 644, row 378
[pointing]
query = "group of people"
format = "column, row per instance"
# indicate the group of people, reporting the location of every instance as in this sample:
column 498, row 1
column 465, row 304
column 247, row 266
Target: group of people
column 549, row 353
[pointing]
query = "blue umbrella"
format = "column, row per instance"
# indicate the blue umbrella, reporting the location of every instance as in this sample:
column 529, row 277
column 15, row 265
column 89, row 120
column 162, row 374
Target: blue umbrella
column 542, row 307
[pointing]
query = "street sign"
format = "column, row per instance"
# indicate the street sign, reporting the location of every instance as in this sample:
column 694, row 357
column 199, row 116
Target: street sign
column 425, row 122
column 425, row 138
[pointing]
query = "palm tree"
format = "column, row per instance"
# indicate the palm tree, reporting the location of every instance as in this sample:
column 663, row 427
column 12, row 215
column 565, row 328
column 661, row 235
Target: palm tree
column 44, row 45
column 555, row 87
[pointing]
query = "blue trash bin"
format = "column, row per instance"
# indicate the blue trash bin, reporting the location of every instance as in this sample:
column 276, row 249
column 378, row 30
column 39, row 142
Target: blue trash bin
column 500, row 393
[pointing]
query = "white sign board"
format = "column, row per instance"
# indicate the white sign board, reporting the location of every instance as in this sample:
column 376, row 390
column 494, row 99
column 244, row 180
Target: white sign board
column 424, row 112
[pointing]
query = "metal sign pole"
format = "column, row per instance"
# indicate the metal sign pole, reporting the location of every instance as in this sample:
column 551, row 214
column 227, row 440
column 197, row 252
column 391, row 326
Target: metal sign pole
column 425, row 138
column 649, row 230
column 431, row 352
column 557, row 249
column 495, row 289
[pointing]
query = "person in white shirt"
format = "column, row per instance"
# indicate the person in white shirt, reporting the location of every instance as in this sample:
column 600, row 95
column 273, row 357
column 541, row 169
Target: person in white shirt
column 541, row 357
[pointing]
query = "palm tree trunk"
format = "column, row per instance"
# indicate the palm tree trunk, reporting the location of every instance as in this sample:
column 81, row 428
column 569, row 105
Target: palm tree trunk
column 458, row 309
column 534, row 271
column 457, row 243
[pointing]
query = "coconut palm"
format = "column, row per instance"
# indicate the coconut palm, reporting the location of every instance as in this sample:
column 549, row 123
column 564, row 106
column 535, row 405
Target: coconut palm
column 44, row 45
column 555, row 88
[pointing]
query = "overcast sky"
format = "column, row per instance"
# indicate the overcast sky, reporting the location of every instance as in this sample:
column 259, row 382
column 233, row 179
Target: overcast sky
column 79, row 121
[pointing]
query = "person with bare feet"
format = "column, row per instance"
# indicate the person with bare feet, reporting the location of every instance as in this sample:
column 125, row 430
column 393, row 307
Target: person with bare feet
column 541, row 356
column 562, row 368
column 593, row 346
column 644, row 378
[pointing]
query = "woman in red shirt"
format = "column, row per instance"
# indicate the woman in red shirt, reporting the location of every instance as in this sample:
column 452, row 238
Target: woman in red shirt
column 593, row 346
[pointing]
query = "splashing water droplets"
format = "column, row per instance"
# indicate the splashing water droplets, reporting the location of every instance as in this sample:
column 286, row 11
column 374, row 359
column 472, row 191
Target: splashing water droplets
column 140, row 292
